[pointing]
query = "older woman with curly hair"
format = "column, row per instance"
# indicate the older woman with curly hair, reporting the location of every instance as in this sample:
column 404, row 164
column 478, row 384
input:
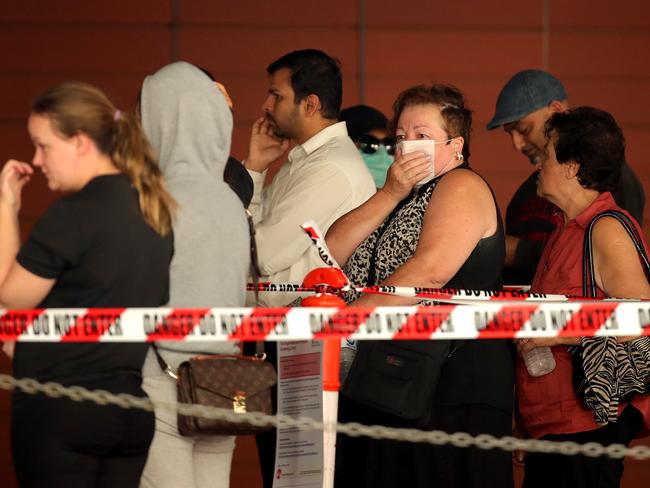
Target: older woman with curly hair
column 584, row 154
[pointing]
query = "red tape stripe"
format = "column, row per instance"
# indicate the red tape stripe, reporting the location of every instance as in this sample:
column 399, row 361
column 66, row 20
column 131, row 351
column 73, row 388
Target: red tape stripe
column 90, row 326
column 16, row 322
column 591, row 318
column 260, row 323
column 177, row 325
column 504, row 323
column 426, row 321
column 343, row 323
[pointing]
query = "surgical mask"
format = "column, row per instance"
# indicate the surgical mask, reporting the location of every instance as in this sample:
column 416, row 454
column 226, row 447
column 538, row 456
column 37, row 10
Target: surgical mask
column 378, row 164
column 428, row 147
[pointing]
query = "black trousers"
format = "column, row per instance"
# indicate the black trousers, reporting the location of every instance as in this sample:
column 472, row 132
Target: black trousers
column 266, row 441
column 58, row 442
column 560, row 471
column 365, row 462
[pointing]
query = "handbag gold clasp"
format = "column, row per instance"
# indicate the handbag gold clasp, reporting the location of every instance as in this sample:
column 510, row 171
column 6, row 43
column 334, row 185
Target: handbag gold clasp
column 239, row 402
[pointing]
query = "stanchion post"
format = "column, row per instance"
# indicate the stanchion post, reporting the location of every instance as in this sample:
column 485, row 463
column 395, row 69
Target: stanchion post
column 325, row 278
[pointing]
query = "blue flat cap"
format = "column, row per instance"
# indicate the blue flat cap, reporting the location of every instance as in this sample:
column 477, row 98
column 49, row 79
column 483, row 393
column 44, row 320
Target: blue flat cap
column 525, row 92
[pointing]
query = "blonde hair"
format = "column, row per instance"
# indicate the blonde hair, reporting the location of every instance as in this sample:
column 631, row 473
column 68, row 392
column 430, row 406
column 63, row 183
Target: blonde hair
column 78, row 107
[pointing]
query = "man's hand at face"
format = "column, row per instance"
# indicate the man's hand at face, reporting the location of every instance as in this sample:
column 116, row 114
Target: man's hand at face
column 265, row 147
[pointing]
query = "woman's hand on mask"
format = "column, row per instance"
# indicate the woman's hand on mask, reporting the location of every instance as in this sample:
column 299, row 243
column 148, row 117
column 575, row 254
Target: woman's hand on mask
column 405, row 172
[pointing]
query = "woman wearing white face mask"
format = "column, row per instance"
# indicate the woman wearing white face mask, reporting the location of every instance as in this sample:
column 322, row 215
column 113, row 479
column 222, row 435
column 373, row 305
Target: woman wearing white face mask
column 434, row 223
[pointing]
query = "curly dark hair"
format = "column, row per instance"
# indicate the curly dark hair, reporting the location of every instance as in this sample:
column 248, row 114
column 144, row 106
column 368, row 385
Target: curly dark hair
column 457, row 117
column 592, row 138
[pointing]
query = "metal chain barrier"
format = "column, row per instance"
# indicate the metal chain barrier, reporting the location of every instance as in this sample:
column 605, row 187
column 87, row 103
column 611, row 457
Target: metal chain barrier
column 439, row 438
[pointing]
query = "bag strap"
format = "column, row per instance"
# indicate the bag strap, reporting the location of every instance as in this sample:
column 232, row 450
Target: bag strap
column 169, row 371
column 163, row 364
column 255, row 267
column 372, row 276
column 588, row 275
column 254, row 357
column 255, row 273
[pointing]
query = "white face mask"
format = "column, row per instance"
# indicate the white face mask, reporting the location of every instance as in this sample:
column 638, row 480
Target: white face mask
column 428, row 147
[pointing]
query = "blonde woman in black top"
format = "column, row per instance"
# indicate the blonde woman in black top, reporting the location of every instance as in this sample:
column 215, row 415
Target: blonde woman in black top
column 106, row 243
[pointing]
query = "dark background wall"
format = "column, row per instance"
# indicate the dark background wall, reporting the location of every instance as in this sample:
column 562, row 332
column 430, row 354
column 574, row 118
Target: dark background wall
column 598, row 48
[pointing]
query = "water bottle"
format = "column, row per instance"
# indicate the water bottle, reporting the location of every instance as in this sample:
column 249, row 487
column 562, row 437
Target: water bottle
column 348, row 351
column 539, row 361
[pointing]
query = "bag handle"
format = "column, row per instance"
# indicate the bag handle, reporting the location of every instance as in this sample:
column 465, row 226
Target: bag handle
column 588, row 275
column 255, row 273
column 254, row 357
column 164, row 365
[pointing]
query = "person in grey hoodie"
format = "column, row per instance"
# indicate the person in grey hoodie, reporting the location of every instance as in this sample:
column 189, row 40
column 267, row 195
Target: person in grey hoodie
column 189, row 125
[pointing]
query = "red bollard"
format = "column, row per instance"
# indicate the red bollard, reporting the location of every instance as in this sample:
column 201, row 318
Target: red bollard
column 327, row 281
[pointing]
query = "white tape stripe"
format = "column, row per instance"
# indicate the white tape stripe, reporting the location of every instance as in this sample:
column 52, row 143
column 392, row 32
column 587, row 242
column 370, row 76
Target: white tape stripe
column 318, row 240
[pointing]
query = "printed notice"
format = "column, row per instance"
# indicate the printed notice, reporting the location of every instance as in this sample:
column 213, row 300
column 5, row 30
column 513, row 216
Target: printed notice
column 299, row 454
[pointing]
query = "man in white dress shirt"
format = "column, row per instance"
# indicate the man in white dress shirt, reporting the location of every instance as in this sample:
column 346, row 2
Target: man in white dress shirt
column 324, row 177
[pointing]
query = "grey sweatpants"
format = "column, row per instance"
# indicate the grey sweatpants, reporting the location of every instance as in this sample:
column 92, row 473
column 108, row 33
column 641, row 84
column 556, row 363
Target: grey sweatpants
column 174, row 460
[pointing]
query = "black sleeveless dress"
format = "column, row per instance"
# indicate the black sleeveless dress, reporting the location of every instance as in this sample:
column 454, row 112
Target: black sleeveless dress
column 475, row 391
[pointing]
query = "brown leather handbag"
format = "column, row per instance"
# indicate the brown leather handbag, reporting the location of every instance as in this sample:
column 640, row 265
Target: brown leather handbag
column 241, row 384
column 238, row 383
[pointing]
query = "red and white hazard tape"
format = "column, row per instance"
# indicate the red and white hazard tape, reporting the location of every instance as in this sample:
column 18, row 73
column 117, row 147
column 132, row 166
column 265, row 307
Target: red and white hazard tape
column 446, row 295
column 490, row 320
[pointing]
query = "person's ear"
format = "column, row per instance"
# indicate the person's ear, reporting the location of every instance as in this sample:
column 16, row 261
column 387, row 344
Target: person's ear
column 82, row 143
column 458, row 144
column 556, row 106
column 311, row 105
column 571, row 169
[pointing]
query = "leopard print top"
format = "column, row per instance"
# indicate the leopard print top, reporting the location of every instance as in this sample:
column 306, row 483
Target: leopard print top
column 394, row 242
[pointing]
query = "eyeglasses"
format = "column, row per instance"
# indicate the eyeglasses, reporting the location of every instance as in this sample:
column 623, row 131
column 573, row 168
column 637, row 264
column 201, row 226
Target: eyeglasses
column 370, row 144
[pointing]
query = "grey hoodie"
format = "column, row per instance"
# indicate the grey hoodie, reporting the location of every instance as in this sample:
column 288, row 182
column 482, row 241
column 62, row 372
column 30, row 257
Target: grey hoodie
column 189, row 125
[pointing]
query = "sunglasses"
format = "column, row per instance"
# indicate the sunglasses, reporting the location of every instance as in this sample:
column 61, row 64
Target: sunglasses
column 370, row 144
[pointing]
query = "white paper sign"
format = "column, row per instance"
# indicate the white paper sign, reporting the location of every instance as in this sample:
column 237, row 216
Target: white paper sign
column 299, row 454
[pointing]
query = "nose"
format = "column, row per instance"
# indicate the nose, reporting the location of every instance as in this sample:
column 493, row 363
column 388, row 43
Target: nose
column 37, row 159
column 267, row 105
column 517, row 141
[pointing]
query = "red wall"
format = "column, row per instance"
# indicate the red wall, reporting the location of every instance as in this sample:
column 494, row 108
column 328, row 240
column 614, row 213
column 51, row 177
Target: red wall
column 598, row 49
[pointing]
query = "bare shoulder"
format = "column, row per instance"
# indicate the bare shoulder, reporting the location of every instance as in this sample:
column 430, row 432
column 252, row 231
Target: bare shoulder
column 619, row 272
column 609, row 229
column 463, row 197
column 463, row 183
column 610, row 239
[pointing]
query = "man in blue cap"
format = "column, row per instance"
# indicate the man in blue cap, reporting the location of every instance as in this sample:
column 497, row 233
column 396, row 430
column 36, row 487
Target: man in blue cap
column 524, row 105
